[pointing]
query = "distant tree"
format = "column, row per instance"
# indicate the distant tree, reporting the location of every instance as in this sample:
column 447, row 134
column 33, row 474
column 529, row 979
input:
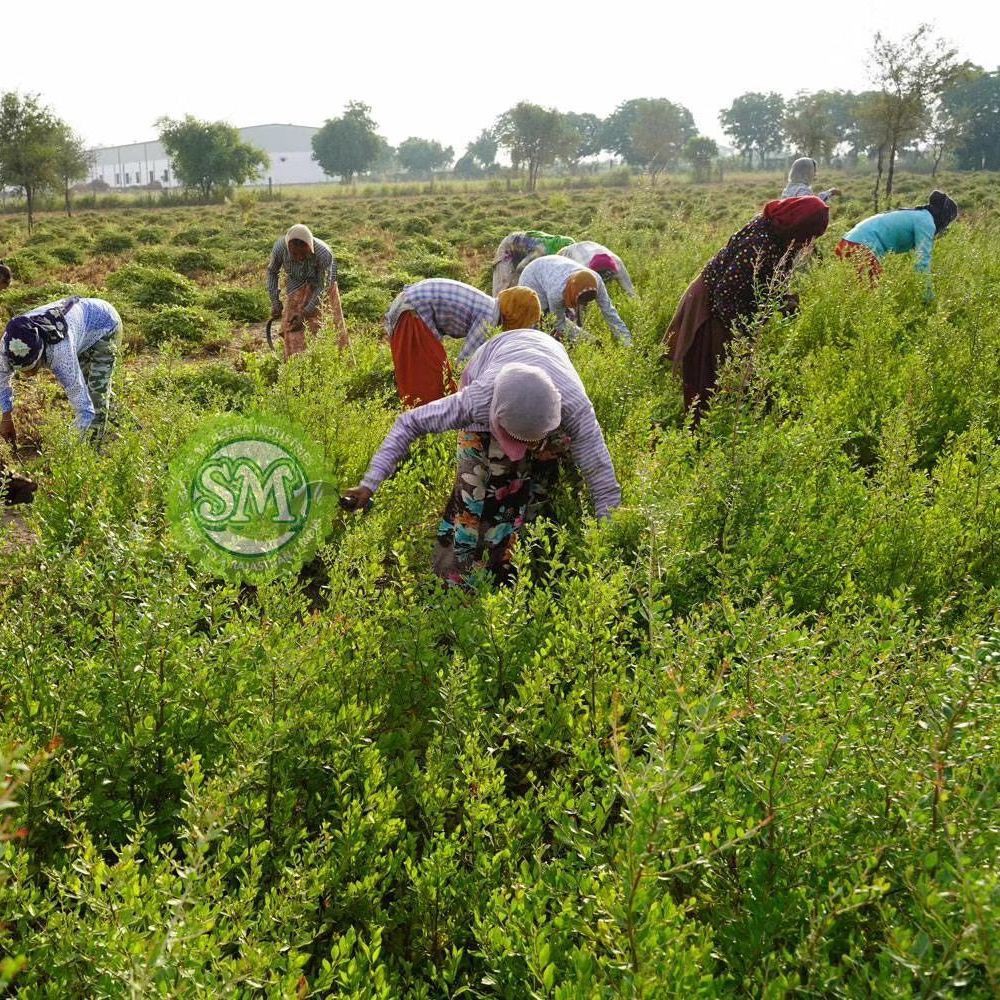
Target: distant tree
column 755, row 122
column 659, row 132
column 911, row 75
column 467, row 168
column 348, row 145
column 72, row 161
column 483, row 149
column 209, row 156
column 972, row 109
column 817, row 123
column 423, row 156
column 648, row 133
column 590, row 130
column 29, row 140
column 535, row 136
column 386, row 161
column 700, row 151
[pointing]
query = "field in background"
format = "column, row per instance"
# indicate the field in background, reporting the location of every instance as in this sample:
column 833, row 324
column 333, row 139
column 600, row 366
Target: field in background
column 741, row 740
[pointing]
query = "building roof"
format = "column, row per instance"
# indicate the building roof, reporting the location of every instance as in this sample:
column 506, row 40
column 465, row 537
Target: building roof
column 272, row 138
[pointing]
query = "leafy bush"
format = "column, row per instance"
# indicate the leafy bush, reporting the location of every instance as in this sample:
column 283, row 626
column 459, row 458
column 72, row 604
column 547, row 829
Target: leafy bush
column 243, row 305
column 150, row 235
column 67, row 254
column 28, row 264
column 189, row 324
column 17, row 300
column 365, row 303
column 192, row 261
column 112, row 242
column 153, row 286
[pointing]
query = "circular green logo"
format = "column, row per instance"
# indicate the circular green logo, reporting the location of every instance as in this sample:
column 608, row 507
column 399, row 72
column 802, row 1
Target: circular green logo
column 248, row 498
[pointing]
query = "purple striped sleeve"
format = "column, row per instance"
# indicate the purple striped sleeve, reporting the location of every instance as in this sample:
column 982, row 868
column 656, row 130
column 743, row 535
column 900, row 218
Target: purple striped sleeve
column 590, row 453
column 448, row 414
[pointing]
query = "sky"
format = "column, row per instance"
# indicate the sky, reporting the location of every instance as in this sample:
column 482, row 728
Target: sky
column 445, row 70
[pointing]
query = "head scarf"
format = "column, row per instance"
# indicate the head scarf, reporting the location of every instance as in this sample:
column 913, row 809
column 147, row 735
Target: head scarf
column 803, row 171
column 943, row 210
column 526, row 406
column 25, row 337
column 22, row 343
column 520, row 308
column 578, row 282
column 603, row 263
column 301, row 233
column 797, row 220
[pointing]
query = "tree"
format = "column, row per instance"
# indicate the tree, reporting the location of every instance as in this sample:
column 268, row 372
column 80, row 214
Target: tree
column 590, row 130
column 467, row 168
column 29, row 140
column 423, row 156
column 72, row 161
column 973, row 108
column 535, row 136
column 873, row 131
column 700, row 151
column 817, row 123
column 911, row 75
column 755, row 122
column 209, row 156
column 649, row 133
column 348, row 145
column 483, row 149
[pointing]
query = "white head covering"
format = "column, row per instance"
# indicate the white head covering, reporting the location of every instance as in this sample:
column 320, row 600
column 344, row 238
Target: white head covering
column 526, row 406
column 300, row 232
column 803, row 171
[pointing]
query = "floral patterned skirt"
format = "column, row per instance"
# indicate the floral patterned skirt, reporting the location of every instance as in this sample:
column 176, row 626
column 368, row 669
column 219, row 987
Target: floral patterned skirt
column 493, row 497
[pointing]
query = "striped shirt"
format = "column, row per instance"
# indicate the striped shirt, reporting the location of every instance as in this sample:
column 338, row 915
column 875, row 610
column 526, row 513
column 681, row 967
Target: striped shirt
column 548, row 277
column 586, row 250
column 87, row 321
column 450, row 309
column 319, row 269
column 469, row 409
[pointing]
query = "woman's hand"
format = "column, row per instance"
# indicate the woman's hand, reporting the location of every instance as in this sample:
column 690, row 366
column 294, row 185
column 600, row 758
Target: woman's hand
column 357, row 498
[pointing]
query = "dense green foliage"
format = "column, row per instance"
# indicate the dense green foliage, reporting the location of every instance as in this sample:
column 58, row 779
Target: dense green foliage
column 210, row 156
column 741, row 740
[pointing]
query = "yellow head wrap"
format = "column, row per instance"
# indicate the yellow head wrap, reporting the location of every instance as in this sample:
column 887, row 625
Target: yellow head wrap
column 519, row 308
column 578, row 283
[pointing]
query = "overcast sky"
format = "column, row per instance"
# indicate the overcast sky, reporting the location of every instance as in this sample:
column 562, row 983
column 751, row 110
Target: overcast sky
column 444, row 70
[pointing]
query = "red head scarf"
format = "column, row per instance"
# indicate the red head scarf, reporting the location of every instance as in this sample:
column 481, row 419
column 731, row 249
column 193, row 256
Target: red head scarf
column 798, row 219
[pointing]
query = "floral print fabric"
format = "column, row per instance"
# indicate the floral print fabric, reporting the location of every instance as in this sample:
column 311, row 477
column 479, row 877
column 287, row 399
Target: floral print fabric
column 492, row 498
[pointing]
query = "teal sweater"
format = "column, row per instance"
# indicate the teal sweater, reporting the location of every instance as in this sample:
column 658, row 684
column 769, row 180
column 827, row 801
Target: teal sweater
column 898, row 232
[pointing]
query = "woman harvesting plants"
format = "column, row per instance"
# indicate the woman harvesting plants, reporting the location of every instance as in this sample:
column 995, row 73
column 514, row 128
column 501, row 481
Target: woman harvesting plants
column 564, row 287
column 426, row 311
column 78, row 339
column 745, row 279
column 600, row 259
column 801, row 178
column 310, row 281
column 520, row 410
column 899, row 232
column 518, row 250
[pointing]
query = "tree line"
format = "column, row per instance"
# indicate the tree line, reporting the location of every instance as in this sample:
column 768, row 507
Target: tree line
column 922, row 99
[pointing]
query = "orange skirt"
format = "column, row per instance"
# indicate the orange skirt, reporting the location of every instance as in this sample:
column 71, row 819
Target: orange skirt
column 864, row 258
column 423, row 371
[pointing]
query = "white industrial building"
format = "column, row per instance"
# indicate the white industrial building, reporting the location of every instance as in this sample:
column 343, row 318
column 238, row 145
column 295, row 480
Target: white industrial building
column 142, row 164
